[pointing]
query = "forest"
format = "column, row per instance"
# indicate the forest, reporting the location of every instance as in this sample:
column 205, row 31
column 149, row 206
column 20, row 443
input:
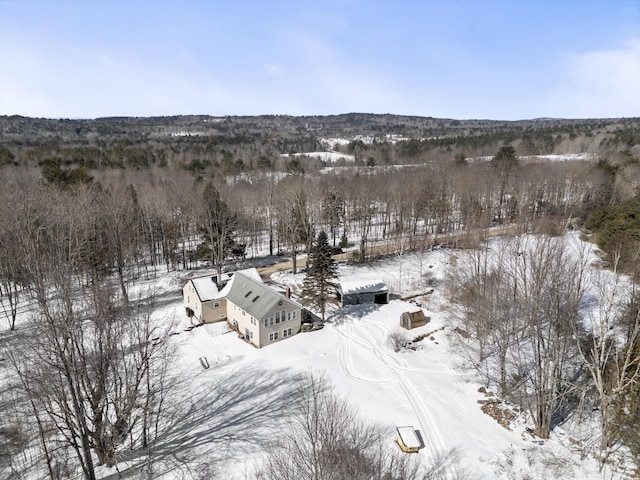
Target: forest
column 87, row 207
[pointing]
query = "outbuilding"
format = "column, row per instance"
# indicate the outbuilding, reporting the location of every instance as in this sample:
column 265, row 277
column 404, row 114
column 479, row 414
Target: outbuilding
column 408, row 439
column 413, row 318
column 356, row 292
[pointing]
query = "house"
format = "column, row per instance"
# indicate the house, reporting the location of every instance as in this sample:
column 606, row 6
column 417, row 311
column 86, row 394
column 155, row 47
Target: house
column 414, row 317
column 203, row 299
column 408, row 439
column 260, row 314
column 356, row 292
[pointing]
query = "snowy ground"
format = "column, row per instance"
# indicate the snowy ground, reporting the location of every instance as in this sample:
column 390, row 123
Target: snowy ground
column 328, row 157
column 568, row 157
column 241, row 401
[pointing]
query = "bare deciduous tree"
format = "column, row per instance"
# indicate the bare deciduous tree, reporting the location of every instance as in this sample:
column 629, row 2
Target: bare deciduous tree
column 612, row 356
column 329, row 440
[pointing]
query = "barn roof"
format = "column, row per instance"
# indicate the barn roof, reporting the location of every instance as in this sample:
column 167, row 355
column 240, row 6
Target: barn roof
column 362, row 286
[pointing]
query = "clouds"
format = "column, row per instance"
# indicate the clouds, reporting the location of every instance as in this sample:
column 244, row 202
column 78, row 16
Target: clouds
column 315, row 58
column 601, row 83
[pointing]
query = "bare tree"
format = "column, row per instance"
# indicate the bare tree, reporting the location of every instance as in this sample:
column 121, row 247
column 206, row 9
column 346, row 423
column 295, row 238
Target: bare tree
column 96, row 375
column 522, row 305
column 550, row 285
column 612, row 356
column 398, row 340
column 12, row 279
column 93, row 370
column 329, row 440
column 218, row 225
column 294, row 222
column 363, row 210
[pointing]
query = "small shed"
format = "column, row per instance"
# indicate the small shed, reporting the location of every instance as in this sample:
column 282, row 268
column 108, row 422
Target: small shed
column 413, row 318
column 408, row 439
column 356, row 292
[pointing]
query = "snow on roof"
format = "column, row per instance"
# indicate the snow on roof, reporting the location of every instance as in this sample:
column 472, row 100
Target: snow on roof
column 409, row 437
column 362, row 286
column 413, row 308
column 207, row 289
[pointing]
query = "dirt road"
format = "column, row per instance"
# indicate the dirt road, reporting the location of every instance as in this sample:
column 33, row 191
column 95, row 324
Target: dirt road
column 462, row 240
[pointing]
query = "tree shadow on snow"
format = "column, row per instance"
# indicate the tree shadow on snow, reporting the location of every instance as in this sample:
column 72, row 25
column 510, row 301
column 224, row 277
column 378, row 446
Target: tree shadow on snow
column 352, row 312
column 236, row 416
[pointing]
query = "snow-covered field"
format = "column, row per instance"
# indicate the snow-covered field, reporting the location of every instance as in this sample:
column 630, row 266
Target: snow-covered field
column 392, row 138
column 328, row 157
column 568, row 157
column 240, row 403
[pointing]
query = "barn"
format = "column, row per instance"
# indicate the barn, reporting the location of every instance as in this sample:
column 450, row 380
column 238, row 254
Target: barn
column 356, row 292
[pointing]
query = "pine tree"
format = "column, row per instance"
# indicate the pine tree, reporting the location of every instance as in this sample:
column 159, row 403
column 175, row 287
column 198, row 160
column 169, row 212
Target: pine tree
column 322, row 274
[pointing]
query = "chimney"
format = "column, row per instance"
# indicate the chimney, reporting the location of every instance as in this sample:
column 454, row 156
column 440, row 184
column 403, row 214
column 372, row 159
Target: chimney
column 287, row 292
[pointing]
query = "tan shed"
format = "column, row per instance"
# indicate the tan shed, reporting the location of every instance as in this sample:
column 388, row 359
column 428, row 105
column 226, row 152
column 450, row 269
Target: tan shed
column 413, row 319
column 408, row 439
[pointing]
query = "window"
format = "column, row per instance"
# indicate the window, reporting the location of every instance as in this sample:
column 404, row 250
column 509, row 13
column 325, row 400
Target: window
column 289, row 315
column 277, row 317
column 287, row 332
column 273, row 336
column 270, row 321
column 247, row 294
column 257, row 297
column 294, row 314
column 266, row 322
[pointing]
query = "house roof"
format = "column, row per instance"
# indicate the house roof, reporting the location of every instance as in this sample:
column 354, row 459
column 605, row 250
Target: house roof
column 362, row 286
column 207, row 289
column 253, row 296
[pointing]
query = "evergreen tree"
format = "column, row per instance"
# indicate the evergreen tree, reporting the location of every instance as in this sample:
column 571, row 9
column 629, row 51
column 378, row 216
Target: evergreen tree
column 322, row 274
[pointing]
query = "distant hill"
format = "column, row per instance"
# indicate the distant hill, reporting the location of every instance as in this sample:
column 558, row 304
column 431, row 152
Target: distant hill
column 140, row 141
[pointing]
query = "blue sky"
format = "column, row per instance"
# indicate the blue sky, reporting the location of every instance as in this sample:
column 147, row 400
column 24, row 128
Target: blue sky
column 491, row 59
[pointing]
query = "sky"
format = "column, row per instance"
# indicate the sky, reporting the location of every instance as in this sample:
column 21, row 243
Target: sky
column 466, row 59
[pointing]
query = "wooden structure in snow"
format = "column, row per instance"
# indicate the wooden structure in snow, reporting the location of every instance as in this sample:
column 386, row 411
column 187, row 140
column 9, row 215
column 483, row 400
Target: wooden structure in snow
column 413, row 318
column 408, row 439
column 362, row 291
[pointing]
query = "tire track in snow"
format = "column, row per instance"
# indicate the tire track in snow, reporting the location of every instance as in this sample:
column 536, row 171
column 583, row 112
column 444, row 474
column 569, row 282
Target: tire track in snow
column 395, row 360
column 432, row 434
column 347, row 361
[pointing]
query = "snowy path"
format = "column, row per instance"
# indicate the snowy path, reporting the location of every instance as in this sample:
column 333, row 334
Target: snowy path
column 392, row 369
